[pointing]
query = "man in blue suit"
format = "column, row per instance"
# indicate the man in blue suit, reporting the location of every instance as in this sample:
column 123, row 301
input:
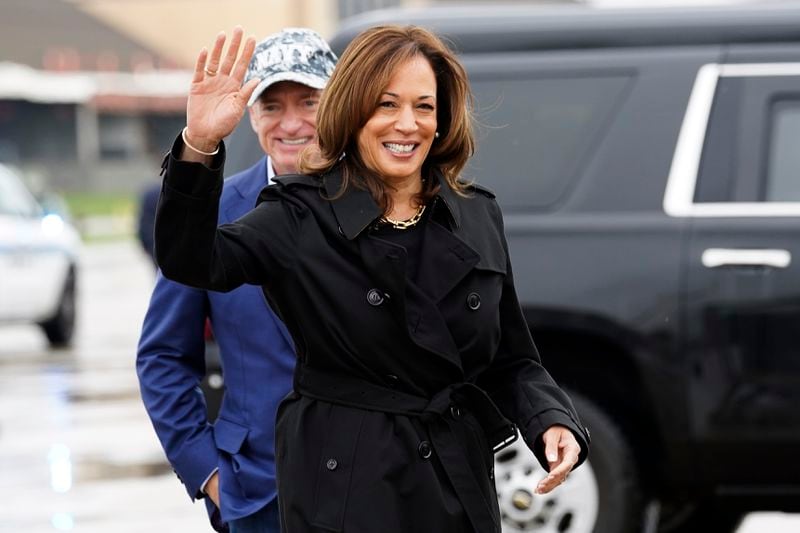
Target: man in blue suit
column 232, row 462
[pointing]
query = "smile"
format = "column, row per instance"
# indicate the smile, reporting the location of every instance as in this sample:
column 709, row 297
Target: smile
column 398, row 148
column 295, row 142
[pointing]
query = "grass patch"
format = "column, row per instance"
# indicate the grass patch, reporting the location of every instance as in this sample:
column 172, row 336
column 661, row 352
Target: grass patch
column 88, row 204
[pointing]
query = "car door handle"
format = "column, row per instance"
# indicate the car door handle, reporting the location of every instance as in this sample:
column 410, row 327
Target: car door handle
column 740, row 257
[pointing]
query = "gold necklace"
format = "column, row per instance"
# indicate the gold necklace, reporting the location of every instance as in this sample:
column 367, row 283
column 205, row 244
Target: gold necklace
column 405, row 224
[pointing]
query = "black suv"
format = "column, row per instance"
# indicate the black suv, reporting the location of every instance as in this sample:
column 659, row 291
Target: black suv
column 648, row 165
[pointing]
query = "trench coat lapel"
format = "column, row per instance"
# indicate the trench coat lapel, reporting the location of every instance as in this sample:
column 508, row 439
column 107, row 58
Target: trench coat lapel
column 445, row 260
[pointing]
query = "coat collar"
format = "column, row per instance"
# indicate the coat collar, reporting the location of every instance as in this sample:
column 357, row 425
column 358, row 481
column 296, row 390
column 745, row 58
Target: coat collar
column 356, row 209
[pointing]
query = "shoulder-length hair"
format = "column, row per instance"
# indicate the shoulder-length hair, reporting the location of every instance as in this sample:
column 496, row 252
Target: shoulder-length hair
column 353, row 93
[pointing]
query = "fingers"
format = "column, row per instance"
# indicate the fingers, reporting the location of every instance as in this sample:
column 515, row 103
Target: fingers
column 551, row 440
column 233, row 51
column 248, row 89
column 199, row 66
column 244, row 60
column 216, row 52
column 562, row 452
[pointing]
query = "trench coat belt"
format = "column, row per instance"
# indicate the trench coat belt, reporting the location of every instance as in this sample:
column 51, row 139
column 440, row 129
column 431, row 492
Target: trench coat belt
column 435, row 415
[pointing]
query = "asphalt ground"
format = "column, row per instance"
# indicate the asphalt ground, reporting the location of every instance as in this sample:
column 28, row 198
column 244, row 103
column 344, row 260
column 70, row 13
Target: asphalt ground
column 77, row 451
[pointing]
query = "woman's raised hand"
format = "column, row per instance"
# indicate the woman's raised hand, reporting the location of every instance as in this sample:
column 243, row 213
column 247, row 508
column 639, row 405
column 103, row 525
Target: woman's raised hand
column 217, row 98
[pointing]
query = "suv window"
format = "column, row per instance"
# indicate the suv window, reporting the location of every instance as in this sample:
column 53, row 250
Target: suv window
column 782, row 183
column 751, row 150
column 533, row 132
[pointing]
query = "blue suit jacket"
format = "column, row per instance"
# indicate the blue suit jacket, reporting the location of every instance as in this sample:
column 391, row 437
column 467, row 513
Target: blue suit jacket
column 257, row 359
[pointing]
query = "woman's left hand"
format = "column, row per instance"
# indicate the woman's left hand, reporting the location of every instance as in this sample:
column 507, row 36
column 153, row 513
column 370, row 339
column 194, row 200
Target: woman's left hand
column 562, row 452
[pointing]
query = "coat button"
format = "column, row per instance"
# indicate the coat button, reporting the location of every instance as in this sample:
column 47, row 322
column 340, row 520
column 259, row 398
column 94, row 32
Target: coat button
column 393, row 380
column 331, row 464
column 374, row 297
column 474, row 301
column 455, row 412
column 425, row 449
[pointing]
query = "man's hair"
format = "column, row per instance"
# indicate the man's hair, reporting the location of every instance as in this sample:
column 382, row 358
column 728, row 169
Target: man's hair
column 353, row 94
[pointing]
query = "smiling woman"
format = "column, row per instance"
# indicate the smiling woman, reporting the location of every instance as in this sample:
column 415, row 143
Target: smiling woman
column 415, row 362
column 396, row 139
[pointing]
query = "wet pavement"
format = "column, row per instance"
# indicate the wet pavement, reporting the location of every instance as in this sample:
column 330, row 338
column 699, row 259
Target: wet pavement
column 77, row 452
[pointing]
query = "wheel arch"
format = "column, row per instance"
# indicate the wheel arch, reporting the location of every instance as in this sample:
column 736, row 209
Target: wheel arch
column 597, row 358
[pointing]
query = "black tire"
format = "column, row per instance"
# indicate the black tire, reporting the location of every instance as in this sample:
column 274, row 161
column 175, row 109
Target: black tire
column 612, row 460
column 60, row 328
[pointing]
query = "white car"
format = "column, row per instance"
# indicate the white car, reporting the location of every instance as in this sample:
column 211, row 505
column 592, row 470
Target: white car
column 38, row 263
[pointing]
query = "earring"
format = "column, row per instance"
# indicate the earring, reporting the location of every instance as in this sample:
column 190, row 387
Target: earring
column 436, row 134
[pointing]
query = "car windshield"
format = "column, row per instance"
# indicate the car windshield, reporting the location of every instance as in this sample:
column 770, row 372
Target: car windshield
column 15, row 199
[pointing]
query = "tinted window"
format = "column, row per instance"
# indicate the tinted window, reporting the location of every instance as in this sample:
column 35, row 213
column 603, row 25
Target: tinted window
column 751, row 151
column 783, row 180
column 718, row 164
column 534, row 133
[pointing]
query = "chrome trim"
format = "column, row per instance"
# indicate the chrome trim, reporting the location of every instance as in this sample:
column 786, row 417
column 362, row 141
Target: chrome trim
column 739, row 257
column 753, row 70
column 686, row 159
column 682, row 180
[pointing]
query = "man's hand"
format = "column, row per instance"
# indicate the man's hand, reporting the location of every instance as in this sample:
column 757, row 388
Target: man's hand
column 212, row 488
column 562, row 452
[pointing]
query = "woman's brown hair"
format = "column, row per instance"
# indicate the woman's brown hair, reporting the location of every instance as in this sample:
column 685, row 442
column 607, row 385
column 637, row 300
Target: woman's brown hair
column 353, row 94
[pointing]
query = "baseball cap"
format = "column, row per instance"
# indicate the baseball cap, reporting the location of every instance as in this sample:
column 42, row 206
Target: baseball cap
column 293, row 54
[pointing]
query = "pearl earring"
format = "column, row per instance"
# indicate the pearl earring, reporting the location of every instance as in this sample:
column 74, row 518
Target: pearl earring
column 436, row 134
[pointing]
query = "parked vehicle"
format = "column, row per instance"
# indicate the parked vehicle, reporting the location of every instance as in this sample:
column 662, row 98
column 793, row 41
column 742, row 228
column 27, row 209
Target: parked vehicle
column 38, row 263
column 647, row 165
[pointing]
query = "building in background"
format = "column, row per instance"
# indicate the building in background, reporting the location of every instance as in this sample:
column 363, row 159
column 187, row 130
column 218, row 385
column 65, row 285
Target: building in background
column 92, row 91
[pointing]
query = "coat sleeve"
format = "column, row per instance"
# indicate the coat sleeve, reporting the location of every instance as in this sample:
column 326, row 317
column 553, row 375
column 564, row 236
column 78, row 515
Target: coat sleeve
column 192, row 250
column 170, row 363
column 519, row 384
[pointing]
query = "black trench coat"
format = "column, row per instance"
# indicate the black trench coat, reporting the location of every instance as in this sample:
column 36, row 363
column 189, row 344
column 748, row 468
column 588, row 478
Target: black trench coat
column 402, row 388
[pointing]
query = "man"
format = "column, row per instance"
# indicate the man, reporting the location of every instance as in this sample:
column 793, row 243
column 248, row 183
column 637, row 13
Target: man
column 232, row 463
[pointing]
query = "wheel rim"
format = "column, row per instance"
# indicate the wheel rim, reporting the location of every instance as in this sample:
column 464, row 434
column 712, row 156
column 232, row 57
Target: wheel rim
column 570, row 508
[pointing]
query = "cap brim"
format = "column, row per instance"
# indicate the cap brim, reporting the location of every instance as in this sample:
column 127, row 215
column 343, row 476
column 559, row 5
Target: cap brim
column 315, row 82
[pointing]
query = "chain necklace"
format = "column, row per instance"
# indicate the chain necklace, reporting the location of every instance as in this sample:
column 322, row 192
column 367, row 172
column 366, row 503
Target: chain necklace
column 405, row 224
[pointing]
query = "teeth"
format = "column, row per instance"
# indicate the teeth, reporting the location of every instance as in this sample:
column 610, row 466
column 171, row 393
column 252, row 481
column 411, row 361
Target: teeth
column 399, row 148
column 301, row 140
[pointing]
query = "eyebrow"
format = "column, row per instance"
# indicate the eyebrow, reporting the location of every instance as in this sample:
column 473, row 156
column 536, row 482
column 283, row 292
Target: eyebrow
column 423, row 97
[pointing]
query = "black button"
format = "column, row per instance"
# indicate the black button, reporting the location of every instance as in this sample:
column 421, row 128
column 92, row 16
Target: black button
column 455, row 412
column 393, row 380
column 374, row 297
column 425, row 449
column 474, row 301
column 331, row 464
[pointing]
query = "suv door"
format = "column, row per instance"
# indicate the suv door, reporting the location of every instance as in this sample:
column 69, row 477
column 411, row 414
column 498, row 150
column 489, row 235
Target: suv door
column 742, row 297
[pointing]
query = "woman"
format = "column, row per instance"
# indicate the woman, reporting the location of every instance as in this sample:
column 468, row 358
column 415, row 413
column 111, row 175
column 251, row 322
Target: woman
column 394, row 280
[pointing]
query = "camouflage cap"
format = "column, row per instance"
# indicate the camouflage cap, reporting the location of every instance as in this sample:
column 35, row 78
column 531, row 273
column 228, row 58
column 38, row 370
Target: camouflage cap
column 293, row 54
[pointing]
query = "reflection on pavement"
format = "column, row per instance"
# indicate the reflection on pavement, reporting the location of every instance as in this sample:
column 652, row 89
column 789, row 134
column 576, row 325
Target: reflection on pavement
column 77, row 451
